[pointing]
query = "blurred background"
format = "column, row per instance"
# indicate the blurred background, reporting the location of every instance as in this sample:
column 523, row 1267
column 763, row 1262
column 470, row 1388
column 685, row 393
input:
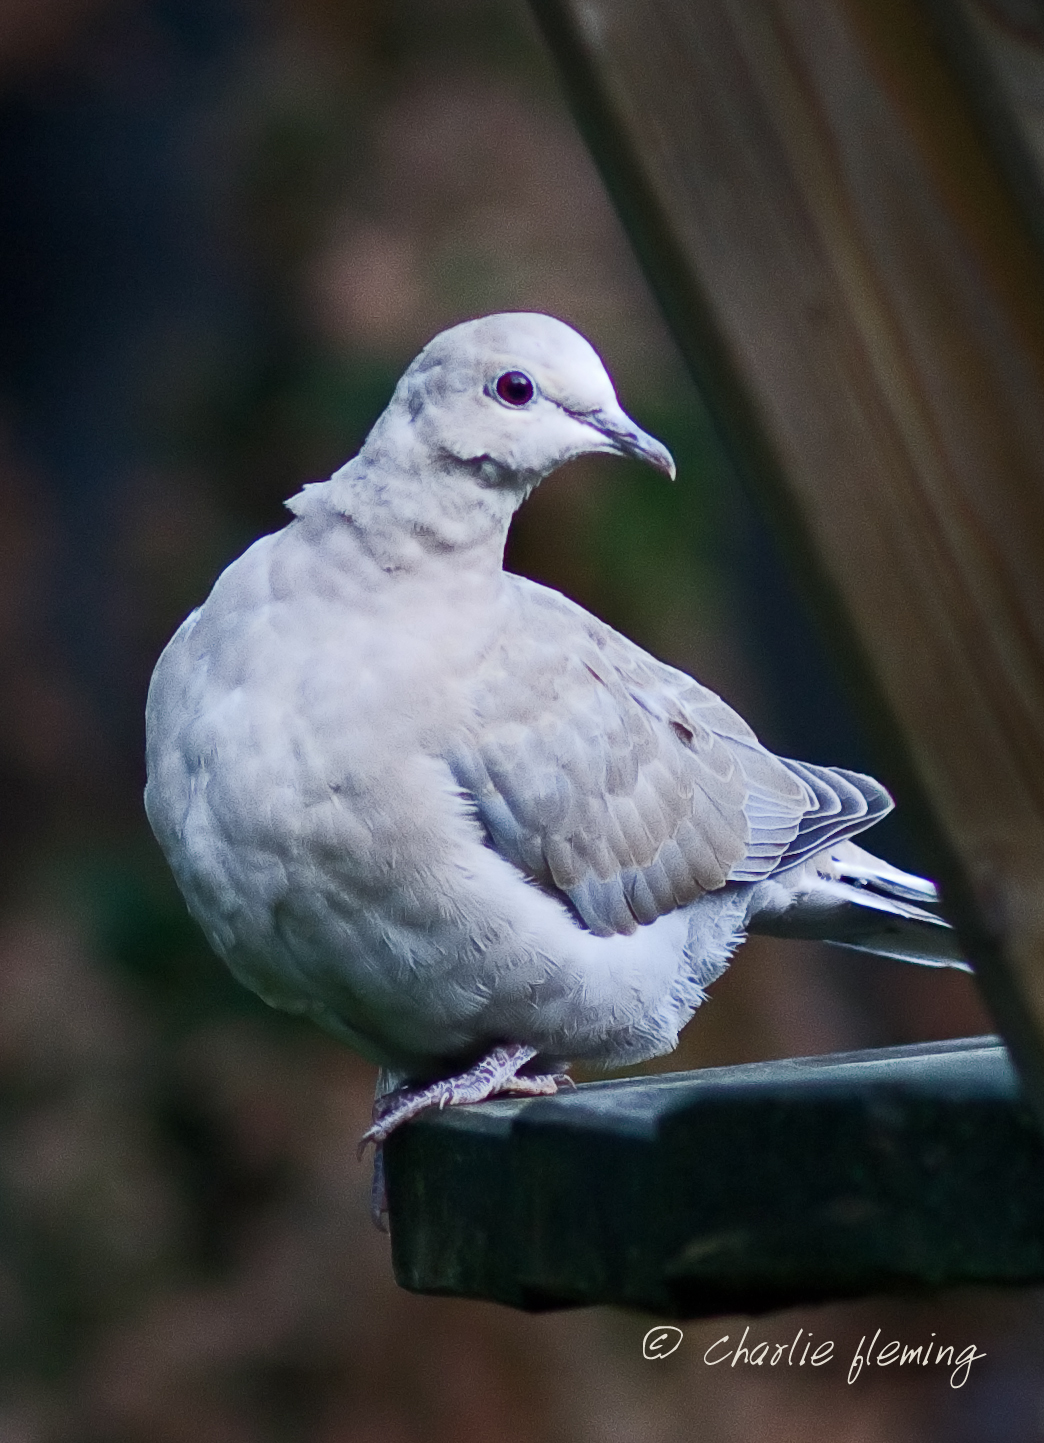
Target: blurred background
column 225, row 227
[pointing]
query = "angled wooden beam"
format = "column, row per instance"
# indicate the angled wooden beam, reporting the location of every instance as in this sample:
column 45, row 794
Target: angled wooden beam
column 854, row 280
column 997, row 47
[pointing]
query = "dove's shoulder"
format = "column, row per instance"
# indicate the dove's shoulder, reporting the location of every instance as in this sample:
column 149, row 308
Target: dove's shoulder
column 545, row 619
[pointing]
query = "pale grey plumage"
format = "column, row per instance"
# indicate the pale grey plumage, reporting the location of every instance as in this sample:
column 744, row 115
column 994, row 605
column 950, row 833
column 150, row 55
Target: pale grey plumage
column 439, row 807
column 625, row 784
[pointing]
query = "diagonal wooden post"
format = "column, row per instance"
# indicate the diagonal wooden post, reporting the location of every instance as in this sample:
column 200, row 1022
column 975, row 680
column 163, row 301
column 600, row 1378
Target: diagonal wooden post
column 853, row 282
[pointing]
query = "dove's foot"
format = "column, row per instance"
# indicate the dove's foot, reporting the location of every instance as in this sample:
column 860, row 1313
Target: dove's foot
column 497, row 1072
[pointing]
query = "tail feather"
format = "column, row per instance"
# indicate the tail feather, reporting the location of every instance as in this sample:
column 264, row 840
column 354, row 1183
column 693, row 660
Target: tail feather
column 847, row 896
column 850, row 863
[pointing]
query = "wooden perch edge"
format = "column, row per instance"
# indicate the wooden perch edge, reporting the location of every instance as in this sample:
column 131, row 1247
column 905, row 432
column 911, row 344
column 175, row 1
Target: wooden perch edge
column 733, row 1189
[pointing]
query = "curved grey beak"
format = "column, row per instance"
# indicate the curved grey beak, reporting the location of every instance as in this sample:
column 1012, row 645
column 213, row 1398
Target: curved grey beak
column 629, row 440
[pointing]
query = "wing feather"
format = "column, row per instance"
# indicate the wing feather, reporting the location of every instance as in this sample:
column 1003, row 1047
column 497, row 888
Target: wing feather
column 623, row 784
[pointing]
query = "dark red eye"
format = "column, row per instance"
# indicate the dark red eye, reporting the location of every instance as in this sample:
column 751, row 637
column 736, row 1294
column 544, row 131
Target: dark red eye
column 515, row 388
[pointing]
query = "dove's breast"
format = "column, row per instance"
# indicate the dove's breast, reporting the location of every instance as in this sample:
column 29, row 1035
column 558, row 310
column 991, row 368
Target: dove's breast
column 294, row 726
column 298, row 726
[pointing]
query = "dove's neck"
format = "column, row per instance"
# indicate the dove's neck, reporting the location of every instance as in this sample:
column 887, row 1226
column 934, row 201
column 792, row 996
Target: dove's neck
column 409, row 516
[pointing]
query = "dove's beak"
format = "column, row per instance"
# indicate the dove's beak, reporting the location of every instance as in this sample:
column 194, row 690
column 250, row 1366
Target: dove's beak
column 630, row 440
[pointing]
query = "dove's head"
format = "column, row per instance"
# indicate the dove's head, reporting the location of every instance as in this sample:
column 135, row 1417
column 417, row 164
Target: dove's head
column 511, row 397
column 485, row 412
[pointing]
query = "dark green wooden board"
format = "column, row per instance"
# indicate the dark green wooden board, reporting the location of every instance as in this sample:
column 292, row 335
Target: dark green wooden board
column 731, row 1189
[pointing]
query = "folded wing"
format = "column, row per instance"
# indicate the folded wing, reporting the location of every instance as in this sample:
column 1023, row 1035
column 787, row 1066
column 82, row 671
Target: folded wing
column 625, row 786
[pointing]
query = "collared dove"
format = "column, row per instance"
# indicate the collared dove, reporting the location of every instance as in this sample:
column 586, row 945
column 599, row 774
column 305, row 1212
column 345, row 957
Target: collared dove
column 446, row 812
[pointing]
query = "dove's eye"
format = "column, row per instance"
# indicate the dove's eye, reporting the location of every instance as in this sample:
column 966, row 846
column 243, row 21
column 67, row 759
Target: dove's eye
column 515, row 388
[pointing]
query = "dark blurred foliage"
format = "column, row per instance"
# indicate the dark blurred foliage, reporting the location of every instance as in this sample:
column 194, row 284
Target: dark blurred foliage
column 225, row 226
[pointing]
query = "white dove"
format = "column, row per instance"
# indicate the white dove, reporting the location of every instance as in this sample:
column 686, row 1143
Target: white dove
column 444, row 811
